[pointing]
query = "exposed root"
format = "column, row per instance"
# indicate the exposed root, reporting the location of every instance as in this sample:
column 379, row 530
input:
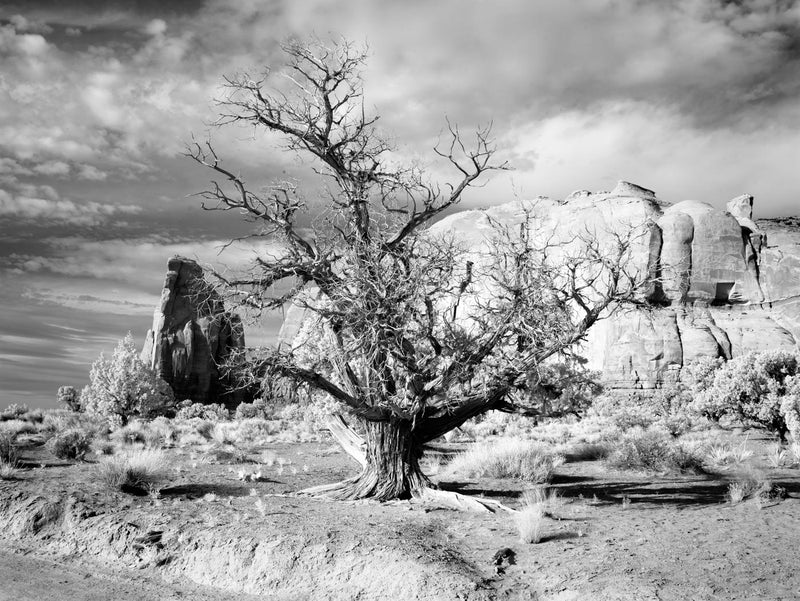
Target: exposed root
column 429, row 495
column 369, row 485
column 454, row 500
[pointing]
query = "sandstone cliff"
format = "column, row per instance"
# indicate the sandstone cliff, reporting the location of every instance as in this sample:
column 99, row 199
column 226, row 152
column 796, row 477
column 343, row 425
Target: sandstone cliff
column 724, row 284
column 192, row 336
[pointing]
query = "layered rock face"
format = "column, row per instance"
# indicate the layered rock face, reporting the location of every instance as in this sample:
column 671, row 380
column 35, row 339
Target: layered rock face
column 192, row 336
column 723, row 284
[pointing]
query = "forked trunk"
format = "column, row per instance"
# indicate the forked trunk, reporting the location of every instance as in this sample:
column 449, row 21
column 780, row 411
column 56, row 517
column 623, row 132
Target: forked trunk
column 391, row 470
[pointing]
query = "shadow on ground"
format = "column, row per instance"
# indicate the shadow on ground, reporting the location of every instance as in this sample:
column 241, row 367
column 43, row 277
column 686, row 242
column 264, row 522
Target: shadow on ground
column 197, row 490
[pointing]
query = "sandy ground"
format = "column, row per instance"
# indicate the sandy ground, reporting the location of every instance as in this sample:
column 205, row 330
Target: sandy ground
column 25, row 577
column 615, row 535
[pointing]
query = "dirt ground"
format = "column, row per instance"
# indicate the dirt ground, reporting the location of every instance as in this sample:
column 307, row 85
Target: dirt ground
column 209, row 535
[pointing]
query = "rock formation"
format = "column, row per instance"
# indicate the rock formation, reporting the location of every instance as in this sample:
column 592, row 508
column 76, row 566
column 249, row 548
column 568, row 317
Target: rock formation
column 723, row 284
column 193, row 336
column 720, row 290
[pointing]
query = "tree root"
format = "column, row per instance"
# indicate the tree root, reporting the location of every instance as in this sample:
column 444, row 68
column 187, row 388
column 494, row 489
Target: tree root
column 429, row 496
column 457, row 501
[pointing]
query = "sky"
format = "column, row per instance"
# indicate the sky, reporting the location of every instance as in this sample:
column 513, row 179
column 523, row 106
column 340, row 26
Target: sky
column 694, row 99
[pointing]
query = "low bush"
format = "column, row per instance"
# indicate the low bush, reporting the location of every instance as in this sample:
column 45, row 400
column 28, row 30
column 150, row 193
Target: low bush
column 211, row 411
column 155, row 434
column 257, row 409
column 748, row 485
column 652, row 451
column 507, row 458
column 667, row 408
column 758, row 388
column 35, row 416
column 60, row 420
column 70, row 397
column 13, row 411
column 133, row 471
column 18, row 426
column 587, row 451
column 71, row 444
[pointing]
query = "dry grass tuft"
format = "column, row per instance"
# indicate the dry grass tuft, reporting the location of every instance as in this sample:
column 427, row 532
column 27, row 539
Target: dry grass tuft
column 586, row 451
column 507, row 458
column 746, row 488
column 537, row 504
column 139, row 469
column 653, row 451
column 73, row 443
column 8, row 448
column 723, row 455
column 779, row 457
column 8, row 471
column 753, row 485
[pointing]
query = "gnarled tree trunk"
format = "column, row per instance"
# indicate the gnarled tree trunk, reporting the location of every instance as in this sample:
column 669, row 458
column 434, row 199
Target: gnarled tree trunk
column 391, row 469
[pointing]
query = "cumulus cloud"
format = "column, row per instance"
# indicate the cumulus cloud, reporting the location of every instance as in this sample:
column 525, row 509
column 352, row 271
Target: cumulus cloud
column 659, row 148
column 156, row 27
column 22, row 24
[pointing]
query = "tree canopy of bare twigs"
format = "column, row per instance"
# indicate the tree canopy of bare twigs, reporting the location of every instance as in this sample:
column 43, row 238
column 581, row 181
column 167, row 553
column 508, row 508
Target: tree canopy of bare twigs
column 419, row 335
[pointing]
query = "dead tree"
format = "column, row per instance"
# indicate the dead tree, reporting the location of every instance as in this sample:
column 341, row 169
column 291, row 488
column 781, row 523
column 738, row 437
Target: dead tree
column 400, row 358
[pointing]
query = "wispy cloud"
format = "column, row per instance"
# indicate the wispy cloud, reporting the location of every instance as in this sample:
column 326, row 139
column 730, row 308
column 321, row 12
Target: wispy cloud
column 41, row 205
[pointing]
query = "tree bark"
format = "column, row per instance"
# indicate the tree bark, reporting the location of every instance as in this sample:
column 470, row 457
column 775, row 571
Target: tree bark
column 392, row 468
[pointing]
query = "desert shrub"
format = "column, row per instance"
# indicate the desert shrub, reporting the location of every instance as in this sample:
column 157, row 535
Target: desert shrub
column 71, row 444
column 13, row 411
column 134, row 470
column 257, row 409
column 69, row 396
column 137, row 432
column 59, row 420
column 752, row 484
column 507, row 458
column 667, row 408
column 790, row 406
column 8, row 448
column 104, row 447
column 203, row 427
column 123, row 387
column 587, row 451
column 698, row 376
column 652, row 451
column 624, row 413
column 494, row 424
column 562, row 388
column 35, row 416
column 758, row 388
column 208, row 411
column 18, row 426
